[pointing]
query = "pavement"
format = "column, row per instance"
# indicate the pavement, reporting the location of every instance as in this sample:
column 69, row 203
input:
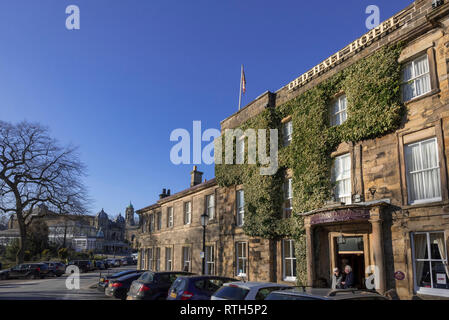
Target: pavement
column 55, row 288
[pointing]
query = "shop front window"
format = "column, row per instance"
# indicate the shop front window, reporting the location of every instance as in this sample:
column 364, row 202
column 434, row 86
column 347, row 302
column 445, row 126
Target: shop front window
column 430, row 263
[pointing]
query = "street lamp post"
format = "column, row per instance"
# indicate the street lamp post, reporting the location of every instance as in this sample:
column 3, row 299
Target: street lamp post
column 204, row 220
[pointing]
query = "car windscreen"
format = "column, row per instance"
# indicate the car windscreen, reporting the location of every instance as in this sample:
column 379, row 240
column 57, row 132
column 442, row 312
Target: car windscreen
column 231, row 293
column 129, row 277
column 178, row 285
column 121, row 274
column 147, row 277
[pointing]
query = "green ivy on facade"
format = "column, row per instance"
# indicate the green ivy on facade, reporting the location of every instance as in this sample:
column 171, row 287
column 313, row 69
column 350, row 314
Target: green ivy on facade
column 374, row 108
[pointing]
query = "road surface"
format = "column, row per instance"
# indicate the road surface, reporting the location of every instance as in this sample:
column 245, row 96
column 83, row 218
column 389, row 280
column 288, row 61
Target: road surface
column 55, row 288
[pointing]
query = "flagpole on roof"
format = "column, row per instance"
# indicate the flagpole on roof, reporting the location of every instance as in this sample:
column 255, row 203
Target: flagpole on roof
column 241, row 83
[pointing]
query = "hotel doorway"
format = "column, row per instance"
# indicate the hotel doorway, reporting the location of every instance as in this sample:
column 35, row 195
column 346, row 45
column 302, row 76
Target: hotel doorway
column 350, row 251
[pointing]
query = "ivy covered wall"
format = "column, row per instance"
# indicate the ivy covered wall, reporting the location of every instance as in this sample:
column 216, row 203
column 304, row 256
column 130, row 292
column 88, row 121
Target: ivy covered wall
column 374, row 108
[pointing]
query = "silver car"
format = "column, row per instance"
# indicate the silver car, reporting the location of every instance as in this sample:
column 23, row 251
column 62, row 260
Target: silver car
column 247, row 290
column 307, row 293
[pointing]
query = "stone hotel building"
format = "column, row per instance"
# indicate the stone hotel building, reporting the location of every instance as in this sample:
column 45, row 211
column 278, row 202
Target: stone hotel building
column 390, row 213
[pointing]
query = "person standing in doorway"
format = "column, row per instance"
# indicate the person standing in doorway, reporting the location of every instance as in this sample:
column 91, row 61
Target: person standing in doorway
column 337, row 278
column 349, row 279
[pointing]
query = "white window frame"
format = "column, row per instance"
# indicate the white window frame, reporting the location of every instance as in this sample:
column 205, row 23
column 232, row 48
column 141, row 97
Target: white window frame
column 168, row 259
column 336, row 181
column 429, row 200
column 414, row 77
column 210, row 208
column 186, row 258
column 240, row 208
column 287, row 130
column 210, row 260
column 187, row 213
column 335, row 119
column 422, row 290
column 242, row 258
column 288, row 196
column 170, row 217
column 289, row 260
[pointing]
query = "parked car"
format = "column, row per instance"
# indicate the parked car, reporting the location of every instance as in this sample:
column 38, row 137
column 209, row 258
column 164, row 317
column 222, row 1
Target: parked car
column 56, row 269
column 92, row 265
column 113, row 263
column 123, row 262
column 153, row 285
column 118, row 288
column 28, row 271
column 104, row 281
column 100, row 265
column 196, row 287
column 324, row 294
column 4, row 274
column 247, row 290
column 83, row 265
column 106, row 263
column 127, row 261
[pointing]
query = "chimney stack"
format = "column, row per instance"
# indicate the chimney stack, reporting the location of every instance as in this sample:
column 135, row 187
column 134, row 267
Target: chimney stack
column 196, row 177
column 163, row 194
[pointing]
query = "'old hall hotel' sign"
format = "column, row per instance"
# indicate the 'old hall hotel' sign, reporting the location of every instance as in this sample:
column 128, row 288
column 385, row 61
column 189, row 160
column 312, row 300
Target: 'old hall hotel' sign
column 363, row 42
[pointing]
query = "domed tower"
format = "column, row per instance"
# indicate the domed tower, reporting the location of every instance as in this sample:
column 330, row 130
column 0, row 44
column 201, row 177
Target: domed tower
column 102, row 219
column 120, row 220
column 130, row 215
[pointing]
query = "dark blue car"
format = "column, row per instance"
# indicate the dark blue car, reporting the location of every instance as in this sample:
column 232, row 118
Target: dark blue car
column 104, row 281
column 196, row 287
column 118, row 288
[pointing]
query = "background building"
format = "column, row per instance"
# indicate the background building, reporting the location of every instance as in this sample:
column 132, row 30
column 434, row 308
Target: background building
column 79, row 232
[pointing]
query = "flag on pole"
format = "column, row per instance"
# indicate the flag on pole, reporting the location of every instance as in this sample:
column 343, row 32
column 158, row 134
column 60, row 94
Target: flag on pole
column 243, row 81
column 242, row 86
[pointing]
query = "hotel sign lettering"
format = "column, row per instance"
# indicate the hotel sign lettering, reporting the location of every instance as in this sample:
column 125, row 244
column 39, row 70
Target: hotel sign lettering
column 364, row 41
column 340, row 216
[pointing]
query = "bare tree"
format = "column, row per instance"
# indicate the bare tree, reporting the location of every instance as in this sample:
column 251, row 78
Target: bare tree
column 36, row 170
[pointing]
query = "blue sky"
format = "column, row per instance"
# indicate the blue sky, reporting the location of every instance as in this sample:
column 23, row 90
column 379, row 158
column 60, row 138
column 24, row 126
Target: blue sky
column 138, row 69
